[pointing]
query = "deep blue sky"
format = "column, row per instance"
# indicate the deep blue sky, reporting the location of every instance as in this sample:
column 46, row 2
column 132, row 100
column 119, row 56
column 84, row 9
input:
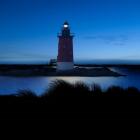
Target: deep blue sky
column 104, row 29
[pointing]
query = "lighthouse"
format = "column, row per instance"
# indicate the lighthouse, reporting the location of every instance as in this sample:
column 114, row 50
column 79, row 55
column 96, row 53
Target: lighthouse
column 65, row 49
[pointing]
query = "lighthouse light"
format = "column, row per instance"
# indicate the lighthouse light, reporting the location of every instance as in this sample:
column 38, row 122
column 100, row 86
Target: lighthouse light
column 65, row 26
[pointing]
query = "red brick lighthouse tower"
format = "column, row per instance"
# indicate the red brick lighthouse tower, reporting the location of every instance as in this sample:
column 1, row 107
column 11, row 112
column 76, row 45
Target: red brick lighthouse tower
column 65, row 49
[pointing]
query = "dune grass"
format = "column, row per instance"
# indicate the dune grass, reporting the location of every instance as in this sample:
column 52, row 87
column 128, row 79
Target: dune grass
column 62, row 92
column 61, row 88
column 63, row 96
column 64, row 89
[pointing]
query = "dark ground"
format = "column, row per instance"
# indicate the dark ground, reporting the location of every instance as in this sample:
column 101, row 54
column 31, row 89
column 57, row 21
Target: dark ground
column 93, row 108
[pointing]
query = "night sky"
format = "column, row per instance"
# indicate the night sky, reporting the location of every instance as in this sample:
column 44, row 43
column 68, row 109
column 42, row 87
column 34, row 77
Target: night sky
column 104, row 29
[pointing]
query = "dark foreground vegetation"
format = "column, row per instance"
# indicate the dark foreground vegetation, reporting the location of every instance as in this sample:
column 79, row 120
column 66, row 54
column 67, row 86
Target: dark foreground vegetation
column 73, row 98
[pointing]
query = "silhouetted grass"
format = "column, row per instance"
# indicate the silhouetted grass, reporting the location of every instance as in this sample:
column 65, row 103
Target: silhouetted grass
column 26, row 94
column 115, row 91
column 64, row 100
column 96, row 90
column 66, row 96
column 64, row 89
column 132, row 91
column 60, row 88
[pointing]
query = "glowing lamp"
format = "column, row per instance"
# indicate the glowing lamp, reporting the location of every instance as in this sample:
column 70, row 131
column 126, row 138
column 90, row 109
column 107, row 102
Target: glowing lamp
column 65, row 25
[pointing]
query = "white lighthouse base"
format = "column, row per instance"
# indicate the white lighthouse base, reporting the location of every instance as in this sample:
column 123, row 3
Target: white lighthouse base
column 65, row 65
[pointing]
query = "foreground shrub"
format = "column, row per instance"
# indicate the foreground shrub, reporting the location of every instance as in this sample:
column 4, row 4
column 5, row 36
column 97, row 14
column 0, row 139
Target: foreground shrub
column 59, row 88
column 96, row 90
column 115, row 91
column 26, row 94
column 62, row 88
column 132, row 91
